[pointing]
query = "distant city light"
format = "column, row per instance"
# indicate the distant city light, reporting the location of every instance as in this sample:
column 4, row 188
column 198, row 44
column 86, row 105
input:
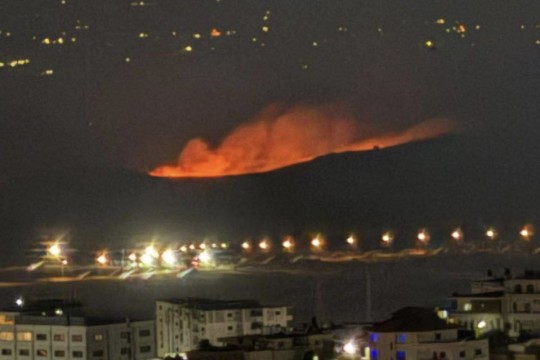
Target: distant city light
column 423, row 236
column 224, row 245
column 205, row 257
column 55, row 250
column 316, row 243
column 288, row 243
column 491, row 234
column 246, row 245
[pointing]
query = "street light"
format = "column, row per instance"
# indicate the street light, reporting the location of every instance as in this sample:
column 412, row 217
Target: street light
column 491, row 233
column 526, row 232
column 246, row 246
column 423, row 237
column 264, row 245
column 351, row 241
column 169, row 257
column 387, row 238
column 317, row 243
column 350, row 348
column 457, row 234
column 288, row 243
column 102, row 258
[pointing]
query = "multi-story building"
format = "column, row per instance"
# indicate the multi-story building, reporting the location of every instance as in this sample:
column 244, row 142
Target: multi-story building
column 312, row 345
column 181, row 324
column 56, row 330
column 510, row 304
column 420, row 334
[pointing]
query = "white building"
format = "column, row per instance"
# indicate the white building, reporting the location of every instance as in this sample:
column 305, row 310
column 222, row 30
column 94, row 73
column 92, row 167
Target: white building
column 181, row 324
column 508, row 304
column 60, row 333
column 420, row 334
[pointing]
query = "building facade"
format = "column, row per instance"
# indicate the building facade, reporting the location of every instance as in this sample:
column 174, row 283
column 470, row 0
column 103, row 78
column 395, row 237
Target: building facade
column 510, row 304
column 181, row 324
column 25, row 335
column 420, row 334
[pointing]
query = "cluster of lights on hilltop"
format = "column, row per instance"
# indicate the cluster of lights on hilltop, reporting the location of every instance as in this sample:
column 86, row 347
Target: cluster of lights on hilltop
column 258, row 35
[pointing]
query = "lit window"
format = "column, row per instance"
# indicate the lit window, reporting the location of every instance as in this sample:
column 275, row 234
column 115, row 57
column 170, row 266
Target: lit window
column 401, row 339
column 24, row 336
column 98, row 337
column 374, row 337
column 59, row 337
column 76, row 338
column 467, row 307
column 6, row 336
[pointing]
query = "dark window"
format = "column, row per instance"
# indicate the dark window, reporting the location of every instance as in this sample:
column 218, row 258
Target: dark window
column 145, row 349
column 97, row 353
column 144, row 333
column 125, row 351
column 527, row 307
column 477, row 351
column 462, row 354
column 6, row 351
column 437, row 336
column 76, row 338
column 41, row 337
column 59, row 353
column 257, row 312
column 24, row 352
column 530, row 289
column 517, row 288
column 125, row 335
column 278, row 312
column 256, row 325
column 442, row 355
column 59, row 337
column 42, row 353
column 229, row 315
column 230, row 328
column 77, row 354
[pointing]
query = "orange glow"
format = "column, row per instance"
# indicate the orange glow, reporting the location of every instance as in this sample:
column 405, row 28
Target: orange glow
column 282, row 136
column 215, row 33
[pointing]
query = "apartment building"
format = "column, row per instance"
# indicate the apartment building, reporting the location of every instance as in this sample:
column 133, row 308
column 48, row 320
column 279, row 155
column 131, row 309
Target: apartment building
column 181, row 324
column 420, row 334
column 509, row 304
column 41, row 332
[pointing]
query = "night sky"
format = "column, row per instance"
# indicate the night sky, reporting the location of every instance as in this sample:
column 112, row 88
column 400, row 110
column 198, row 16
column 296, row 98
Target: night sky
column 127, row 84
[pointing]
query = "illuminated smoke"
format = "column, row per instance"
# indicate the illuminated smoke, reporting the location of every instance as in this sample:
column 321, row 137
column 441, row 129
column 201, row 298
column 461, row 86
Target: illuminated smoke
column 280, row 136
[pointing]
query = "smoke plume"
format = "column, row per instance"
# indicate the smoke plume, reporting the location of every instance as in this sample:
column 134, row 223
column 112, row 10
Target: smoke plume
column 282, row 136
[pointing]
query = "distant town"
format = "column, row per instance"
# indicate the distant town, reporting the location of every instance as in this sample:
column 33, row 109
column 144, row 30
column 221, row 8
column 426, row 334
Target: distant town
column 498, row 318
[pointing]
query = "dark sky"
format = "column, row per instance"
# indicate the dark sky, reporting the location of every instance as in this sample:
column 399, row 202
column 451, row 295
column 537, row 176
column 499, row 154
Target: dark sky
column 116, row 84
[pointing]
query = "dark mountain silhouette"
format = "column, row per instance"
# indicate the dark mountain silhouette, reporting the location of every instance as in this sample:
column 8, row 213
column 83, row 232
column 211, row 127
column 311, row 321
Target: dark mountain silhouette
column 457, row 180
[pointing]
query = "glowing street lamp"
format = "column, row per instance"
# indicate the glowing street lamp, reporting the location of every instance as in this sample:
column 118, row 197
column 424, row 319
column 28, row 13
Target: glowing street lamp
column 55, row 250
column 264, row 245
column 351, row 241
column 350, row 348
column 102, row 259
column 205, row 257
column 457, row 235
column 214, row 246
column 288, row 243
column 169, row 257
column 183, row 248
column 246, row 246
column 491, row 234
column 224, row 245
column 387, row 238
column 317, row 243
column 192, row 247
column 423, row 237
column 526, row 233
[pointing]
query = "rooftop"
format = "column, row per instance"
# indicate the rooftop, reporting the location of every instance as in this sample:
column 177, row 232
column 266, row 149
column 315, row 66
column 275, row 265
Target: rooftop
column 491, row 294
column 210, row 304
column 412, row 319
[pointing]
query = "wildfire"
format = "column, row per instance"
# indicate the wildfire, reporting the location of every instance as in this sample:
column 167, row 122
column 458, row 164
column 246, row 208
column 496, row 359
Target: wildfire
column 281, row 137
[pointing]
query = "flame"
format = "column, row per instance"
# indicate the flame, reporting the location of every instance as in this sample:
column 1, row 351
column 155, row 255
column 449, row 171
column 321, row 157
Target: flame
column 281, row 137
